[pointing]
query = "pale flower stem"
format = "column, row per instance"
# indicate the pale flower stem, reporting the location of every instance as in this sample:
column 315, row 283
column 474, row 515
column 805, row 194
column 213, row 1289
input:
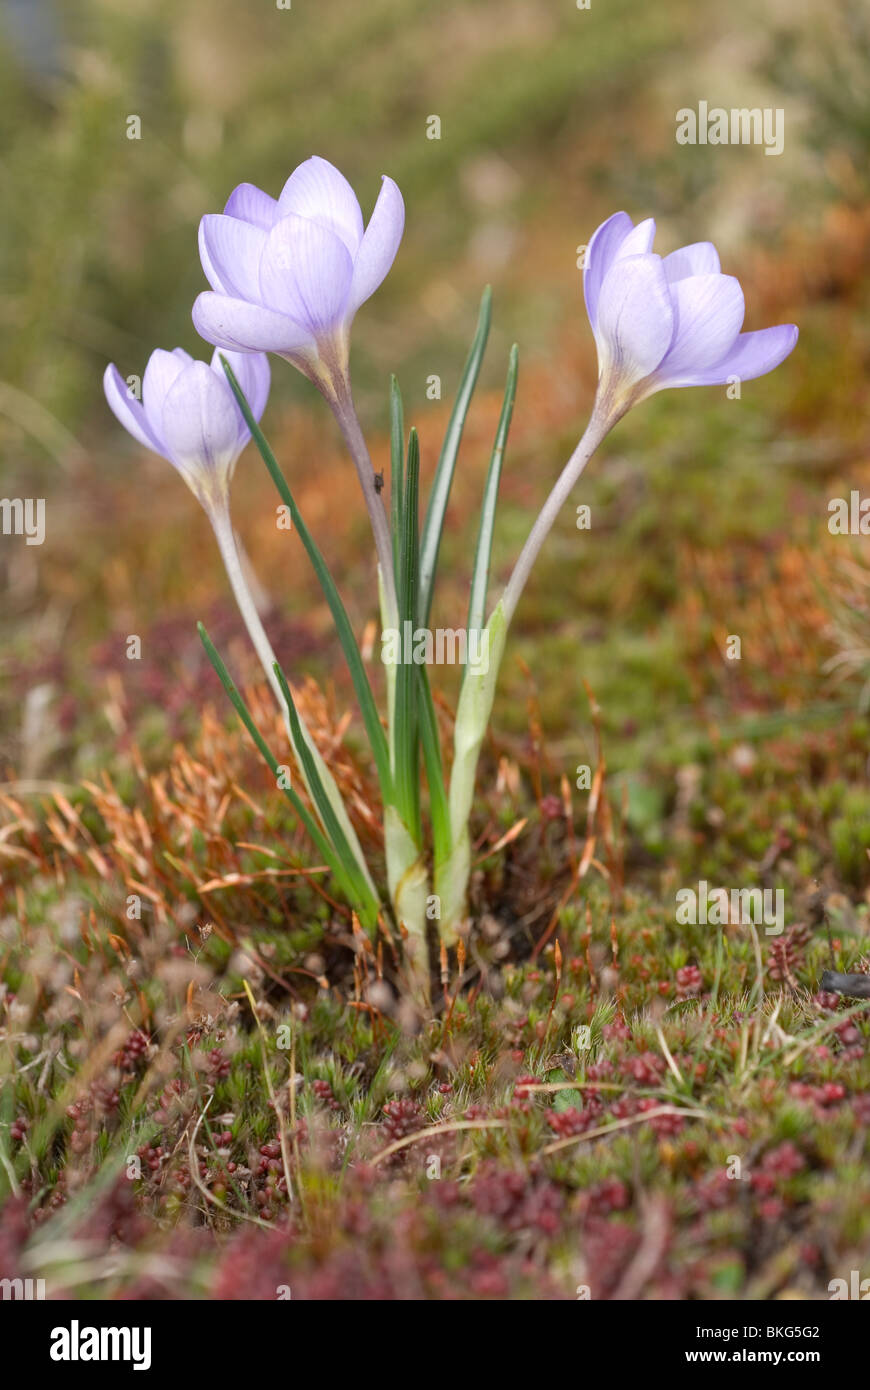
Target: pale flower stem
column 599, row 425
column 478, row 690
column 345, row 414
column 223, row 529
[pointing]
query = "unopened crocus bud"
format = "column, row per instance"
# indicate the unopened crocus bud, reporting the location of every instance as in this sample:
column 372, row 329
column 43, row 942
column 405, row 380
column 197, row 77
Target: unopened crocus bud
column 289, row 274
column 189, row 415
column 672, row 321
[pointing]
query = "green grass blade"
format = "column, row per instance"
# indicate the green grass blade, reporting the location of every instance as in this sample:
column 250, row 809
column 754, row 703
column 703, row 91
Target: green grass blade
column 439, row 809
column 365, row 699
column 483, row 553
column 325, row 807
column 407, row 734
column 433, row 526
column 397, row 469
column 310, row 824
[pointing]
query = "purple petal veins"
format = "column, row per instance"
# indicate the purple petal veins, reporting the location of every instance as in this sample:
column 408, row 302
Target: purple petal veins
column 668, row 323
column 305, row 273
column 189, row 415
column 318, row 192
column 288, row 275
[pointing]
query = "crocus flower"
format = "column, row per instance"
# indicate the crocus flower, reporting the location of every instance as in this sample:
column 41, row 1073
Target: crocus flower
column 668, row 322
column 189, row 415
column 289, row 274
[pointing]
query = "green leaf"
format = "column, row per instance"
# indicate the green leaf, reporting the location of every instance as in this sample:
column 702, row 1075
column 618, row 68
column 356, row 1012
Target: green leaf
column 272, row 763
column 326, row 809
column 397, row 481
column 407, row 740
column 439, row 810
column 8, row 1181
column 433, row 526
column 366, row 700
column 483, row 553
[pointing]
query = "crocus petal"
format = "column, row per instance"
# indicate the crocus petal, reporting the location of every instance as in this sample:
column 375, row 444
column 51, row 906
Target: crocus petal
column 319, row 192
column 243, row 327
column 605, row 242
column 708, row 315
column 162, row 371
column 201, row 422
column 635, row 319
column 701, row 258
column 251, row 204
column 638, row 242
column 251, row 370
column 379, row 245
column 752, row 355
column 305, row 273
column 127, row 410
column 230, row 252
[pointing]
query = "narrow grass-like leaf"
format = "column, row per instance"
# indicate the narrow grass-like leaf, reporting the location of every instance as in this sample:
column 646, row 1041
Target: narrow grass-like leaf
column 8, row 1180
column 397, row 468
column 366, row 700
column 433, row 526
column 310, row 824
column 325, row 807
column 439, row 810
column 483, row 553
column 407, row 735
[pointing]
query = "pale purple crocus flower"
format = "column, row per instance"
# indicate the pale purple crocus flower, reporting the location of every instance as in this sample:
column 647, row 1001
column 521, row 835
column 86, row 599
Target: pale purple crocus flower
column 288, row 275
column 668, row 321
column 658, row 322
column 189, row 415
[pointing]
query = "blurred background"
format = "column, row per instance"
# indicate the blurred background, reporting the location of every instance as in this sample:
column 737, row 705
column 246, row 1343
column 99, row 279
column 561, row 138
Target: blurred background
column 709, row 515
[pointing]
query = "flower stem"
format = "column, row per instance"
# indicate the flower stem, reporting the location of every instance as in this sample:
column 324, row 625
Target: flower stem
column 600, row 424
column 219, row 516
column 343, row 409
column 478, row 690
column 223, row 530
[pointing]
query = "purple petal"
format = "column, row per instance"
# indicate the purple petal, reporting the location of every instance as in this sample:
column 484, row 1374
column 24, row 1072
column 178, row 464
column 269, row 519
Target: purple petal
column 127, row 410
column 230, row 252
column 701, row 258
column 251, row 204
column 306, row 273
column 379, row 245
column 252, row 373
column 201, row 421
column 243, row 327
column 635, row 319
column 638, row 242
column 318, row 191
column 752, row 355
column 708, row 315
column 162, row 371
column 605, row 242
